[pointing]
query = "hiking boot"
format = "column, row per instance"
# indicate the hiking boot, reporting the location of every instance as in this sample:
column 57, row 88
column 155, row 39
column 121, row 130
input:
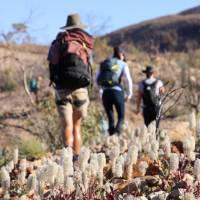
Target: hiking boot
column 75, row 157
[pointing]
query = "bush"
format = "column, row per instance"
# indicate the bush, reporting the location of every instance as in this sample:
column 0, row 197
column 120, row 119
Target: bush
column 91, row 125
column 7, row 82
column 31, row 149
column 101, row 50
column 45, row 123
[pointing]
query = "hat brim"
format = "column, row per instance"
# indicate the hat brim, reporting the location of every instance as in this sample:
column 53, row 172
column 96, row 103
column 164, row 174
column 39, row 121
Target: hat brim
column 147, row 71
column 82, row 26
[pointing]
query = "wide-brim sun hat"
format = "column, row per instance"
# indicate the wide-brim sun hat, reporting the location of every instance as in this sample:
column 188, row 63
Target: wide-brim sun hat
column 149, row 69
column 73, row 21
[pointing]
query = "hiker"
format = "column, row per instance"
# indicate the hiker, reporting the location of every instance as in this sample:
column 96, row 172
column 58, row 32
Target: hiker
column 150, row 90
column 69, row 64
column 109, row 78
column 34, row 87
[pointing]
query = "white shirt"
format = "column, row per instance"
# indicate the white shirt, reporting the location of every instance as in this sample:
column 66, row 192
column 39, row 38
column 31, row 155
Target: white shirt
column 151, row 80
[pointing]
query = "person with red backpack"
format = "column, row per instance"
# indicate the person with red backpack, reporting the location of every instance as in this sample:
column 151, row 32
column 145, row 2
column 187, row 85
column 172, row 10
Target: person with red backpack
column 70, row 73
column 150, row 90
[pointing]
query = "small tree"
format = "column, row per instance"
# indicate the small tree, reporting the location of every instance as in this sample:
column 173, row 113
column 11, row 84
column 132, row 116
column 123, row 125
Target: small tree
column 17, row 34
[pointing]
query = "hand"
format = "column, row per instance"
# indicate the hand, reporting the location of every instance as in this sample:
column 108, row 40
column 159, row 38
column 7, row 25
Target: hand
column 100, row 94
column 128, row 98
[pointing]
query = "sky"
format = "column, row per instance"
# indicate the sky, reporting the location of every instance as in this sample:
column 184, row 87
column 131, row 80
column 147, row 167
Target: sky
column 45, row 17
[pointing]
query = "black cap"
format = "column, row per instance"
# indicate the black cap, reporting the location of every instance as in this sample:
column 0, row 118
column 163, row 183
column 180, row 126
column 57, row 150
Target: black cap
column 149, row 69
column 118, row 50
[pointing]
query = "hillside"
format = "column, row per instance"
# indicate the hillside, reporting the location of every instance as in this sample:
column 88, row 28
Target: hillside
column 174, row 33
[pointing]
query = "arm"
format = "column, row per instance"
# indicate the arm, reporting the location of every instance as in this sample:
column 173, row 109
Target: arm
column 129, row 81
column 161, row 87
column 162, row 90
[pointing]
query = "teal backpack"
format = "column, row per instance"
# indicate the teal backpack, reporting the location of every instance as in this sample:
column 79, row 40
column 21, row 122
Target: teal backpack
column 109, row 73
column 33, row 85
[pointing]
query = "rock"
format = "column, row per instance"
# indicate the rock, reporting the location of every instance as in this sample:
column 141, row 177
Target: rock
column 153, row 170
column 152, row 181
column 176, row 194
column 131, row 197
column 177, row 147
column 161, row 195
column 128, row 187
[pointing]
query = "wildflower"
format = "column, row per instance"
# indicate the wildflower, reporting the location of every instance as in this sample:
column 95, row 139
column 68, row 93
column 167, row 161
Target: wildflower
column 162, row 134
column 143, row 167
column 78, row 177
column 23, row 197
column 189, row 143
column 123, row 145
column 22, row 177
column 153, row 154
column 114, row 140
column 154, row 145
column 22, row 165
column 67, row 161
column 192, row 120
column 165, row 145
column 94, row 161
column 52, row 171
column 101, row 160
column 10, row 166
column 196, row 169
column 31, row 183
column 188, row 179
column 174, row 162
column 6, row 196
column 114, row 153
column 107, row 187
column 59, row 179
column 189, row 196
column 143, row 135
column 86, row 179
column 69, row 185
column 5, row 179
column 130, row 160
column 15, row 155
column 119, row 167
column 152, row 128
column 83, row 158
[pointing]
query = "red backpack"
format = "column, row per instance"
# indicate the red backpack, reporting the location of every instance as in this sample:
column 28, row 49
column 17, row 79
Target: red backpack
column 69, row 59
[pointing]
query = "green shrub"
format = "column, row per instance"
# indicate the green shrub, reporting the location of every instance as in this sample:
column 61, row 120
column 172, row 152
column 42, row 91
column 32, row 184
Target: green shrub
column 91, row 125
column 7, row 82
column 31, row 149
column 101, row 50
column 45, row 123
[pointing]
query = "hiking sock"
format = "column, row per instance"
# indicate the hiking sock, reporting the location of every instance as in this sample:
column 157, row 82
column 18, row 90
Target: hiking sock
column 75, row 157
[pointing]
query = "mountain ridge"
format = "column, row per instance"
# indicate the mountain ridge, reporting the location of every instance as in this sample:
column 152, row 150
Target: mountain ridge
column 179, row 32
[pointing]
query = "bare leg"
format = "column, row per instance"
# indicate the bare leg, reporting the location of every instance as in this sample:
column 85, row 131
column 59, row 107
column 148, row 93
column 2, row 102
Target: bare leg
column 67, row 122
column 77, row 133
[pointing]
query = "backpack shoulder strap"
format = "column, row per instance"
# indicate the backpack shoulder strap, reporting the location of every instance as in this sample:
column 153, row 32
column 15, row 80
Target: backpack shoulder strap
column 152, row 84
column 144, row 82
column 155, row 82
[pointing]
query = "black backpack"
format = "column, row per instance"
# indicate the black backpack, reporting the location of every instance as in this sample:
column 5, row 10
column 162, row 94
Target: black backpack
column 71, row 72
column 150, row 99
column 109, row 73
